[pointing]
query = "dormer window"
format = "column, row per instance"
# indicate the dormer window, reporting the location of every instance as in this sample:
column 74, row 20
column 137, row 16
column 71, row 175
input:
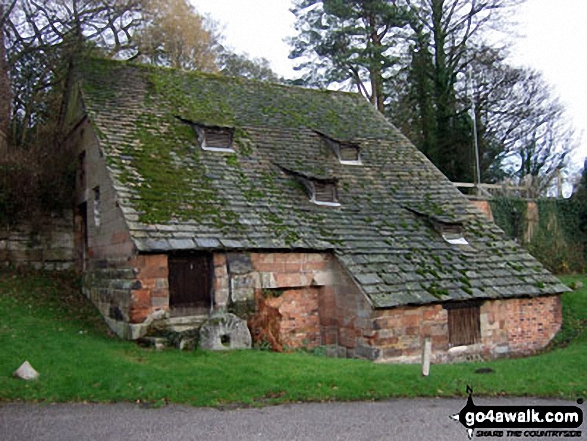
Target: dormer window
column 453, row 234
column 217, row 139
column 348, row 153
column 212, row 138
column 324, row 193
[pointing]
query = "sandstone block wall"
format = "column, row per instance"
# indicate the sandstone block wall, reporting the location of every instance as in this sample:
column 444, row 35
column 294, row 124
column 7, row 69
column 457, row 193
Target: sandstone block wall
column 46, row 243
column 129, row 292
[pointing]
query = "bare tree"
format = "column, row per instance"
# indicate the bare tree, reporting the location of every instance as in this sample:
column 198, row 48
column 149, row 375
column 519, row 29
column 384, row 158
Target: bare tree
column 40, row 39
column 524, row 133
column 174, row 34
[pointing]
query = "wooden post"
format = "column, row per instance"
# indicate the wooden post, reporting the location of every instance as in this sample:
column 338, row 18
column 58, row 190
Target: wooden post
column 426, row 354
column 559, row 183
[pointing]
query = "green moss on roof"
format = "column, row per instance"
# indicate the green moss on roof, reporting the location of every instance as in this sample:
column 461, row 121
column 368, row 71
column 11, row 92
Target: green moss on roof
column 234, row 102
column 246, row 199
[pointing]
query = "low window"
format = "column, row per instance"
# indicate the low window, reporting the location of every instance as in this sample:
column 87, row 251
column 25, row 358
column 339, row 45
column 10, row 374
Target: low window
column 324, row 193
column 464, row 324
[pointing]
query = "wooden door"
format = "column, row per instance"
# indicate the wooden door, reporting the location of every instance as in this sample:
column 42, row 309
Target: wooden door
column 190, row 282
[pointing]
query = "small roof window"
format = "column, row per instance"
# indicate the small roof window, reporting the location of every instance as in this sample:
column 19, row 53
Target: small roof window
column 324, row 193
column 348, row 153
column 217, row 139
column 212, row 138
column 453, row 234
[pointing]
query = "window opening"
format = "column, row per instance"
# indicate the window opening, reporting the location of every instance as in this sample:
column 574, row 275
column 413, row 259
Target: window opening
column 97, row 207
column 324, row 193
column 348, row 153
column 82, row 170
column 210, row 138
column 453, row 234
column 217, row 139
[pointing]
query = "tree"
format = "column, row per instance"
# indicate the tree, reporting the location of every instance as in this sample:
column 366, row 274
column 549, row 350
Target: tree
column 347, row 42
column 523, row 130
column 5, row 93
column 362, row 43
column 174, row 34
column 241, row 65
column 41, row 38
column 445, row 36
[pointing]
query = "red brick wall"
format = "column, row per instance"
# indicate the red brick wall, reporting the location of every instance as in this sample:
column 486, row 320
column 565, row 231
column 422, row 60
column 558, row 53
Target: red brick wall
column 399, row 332
column 291, row 282
column 300, row 323
column 508, row 327
column 532, row 323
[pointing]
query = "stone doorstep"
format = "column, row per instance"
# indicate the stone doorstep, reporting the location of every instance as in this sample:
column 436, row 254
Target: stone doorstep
column 181, row 324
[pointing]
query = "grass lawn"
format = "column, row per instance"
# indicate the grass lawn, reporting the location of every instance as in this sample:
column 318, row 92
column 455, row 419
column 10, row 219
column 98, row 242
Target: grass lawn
column 44, row 320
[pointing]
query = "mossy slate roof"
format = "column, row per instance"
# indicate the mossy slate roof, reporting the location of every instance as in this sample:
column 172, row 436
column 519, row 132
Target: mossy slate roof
column 175, row 196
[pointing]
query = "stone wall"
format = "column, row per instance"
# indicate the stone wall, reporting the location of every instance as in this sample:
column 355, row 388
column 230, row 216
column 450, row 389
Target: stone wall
column 106, row 232
column 129, row 293
column 47, row 243
column 316, row 302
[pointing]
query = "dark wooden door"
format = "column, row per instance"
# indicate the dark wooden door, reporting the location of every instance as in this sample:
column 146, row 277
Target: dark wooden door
column 189, row 281
column 464, row 325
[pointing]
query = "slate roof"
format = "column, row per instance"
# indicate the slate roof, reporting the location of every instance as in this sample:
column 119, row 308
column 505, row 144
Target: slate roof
column 176, row 196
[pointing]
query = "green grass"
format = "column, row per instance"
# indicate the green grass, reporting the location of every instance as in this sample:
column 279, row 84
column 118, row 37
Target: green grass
column 44, row 321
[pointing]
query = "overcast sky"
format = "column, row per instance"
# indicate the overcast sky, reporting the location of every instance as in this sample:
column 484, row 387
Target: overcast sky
column 553, row 39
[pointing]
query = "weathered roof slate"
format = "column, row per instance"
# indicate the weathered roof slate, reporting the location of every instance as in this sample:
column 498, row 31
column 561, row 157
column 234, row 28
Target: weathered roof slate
column 175, row 196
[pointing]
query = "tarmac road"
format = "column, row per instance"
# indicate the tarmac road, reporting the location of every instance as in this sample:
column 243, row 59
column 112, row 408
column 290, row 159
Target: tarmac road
column 405, row 419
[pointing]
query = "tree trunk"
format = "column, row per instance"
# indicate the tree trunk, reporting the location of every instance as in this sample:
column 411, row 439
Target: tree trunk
column 5, row 94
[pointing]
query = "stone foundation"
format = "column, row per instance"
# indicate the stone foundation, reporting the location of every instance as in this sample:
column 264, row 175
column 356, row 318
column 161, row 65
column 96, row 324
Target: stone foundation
column 129, row 293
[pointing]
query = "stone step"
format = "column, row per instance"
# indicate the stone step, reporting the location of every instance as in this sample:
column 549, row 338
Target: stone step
column 182, row 324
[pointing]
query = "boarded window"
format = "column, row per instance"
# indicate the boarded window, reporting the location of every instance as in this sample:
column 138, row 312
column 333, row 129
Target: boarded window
column 348, row 153
column 217, row 139
column 189, row 282
column 464, row 324
column 325, row 192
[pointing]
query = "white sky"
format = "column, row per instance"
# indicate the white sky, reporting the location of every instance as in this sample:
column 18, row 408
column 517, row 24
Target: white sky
column 553, row 40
